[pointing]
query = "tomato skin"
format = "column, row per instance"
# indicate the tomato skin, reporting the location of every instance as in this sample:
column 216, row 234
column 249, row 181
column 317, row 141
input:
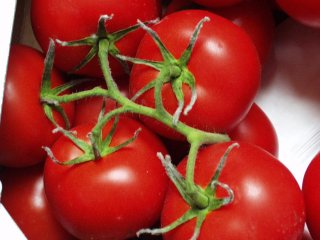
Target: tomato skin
column 217, row 3
column 226, row 83
column 24, row 126
column 113, row 197
column 306, row 12
column 256, row 128
column 77, row 19
column 268, row 202
column 255, row 17
column 24, row 198
column 311, row 191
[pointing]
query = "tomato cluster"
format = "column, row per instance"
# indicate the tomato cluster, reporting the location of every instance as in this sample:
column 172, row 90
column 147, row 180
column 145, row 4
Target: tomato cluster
column 113, row 93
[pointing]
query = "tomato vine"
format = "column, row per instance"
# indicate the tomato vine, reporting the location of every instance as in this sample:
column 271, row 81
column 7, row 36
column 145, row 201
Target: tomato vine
column 171, row 70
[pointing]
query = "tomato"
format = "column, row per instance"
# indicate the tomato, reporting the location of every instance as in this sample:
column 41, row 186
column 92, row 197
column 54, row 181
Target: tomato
column 217, row 3
column 77, row 19
column 255, row 17
column 256, row 128
column 109, row 198
column 87, row 110
column 24, row 127
column 24, row 198
column 224, row 63
column 268, row 202
column 306, row 12
column 311, row 191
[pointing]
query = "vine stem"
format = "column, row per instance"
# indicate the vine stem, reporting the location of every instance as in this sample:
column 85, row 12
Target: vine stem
column 192, row 156
column 173, row 71
column 195, row 137
column 97, row 92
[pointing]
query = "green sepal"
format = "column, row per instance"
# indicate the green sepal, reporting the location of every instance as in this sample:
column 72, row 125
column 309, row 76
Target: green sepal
column 211, row 188
column 82, row 145
column 48, row 112
column 66, row 86
column 108, row 138
column 186, row 55
column 112, row 149
column 86, row 41
column 48, row 66
column 177, row 89
column 190, row 81
column 194, row 194
column 91, row 54
column 166, row 54
column 154, row 64
column 190, row 214
column 102, row 34
column 45, row 89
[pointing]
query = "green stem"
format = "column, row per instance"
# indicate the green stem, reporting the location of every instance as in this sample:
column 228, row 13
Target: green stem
column 158, row 93
column 97, row 91
column 104, row 61
column 166, row 119
column 192, row 156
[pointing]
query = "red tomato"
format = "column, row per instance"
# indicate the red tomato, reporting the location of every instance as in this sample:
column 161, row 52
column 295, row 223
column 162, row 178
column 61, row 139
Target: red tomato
column 77, row 19
column 217, row 3
column 224, row 63
column 109, row 198
column 311, row 191
column 256, row 128
column 87, row 110
column 268, row 203
column 24, row 198
column 306, row 12
column 24, row 126
column 255, row 17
